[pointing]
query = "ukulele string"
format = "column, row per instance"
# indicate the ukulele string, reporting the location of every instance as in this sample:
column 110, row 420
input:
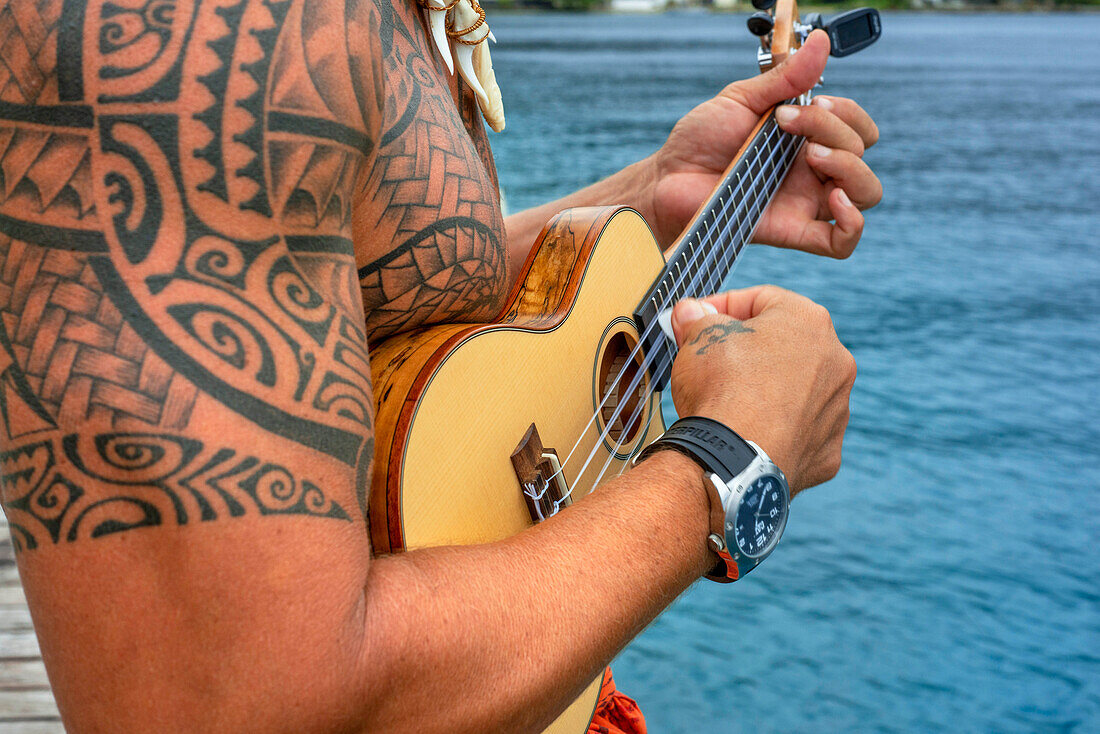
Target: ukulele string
column 761, row 203
column 676, row 292
column 634, row 418
column 785, row 151
column 640, row 407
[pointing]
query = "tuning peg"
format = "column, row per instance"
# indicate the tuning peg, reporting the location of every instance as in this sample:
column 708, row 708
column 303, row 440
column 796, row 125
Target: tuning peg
column 760, row 24
column 763, row 4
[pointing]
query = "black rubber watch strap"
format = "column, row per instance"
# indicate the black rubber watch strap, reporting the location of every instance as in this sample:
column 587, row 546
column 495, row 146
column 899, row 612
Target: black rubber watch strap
column 718, row 447
column 720, row 451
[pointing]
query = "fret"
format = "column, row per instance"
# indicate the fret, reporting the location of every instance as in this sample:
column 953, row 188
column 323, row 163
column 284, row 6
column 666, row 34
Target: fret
column 755, row 162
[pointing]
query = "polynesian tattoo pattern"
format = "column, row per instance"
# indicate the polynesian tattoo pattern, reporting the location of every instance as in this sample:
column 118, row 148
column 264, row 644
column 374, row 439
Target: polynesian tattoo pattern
column 180, row 185
column 152, row 479
column 435, row 215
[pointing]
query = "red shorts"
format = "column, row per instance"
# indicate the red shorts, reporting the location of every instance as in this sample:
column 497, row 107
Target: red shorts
column 615, row 713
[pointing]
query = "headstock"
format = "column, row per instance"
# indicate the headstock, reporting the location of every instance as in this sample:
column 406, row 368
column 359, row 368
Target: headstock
column 777, row 24
column 782, row 32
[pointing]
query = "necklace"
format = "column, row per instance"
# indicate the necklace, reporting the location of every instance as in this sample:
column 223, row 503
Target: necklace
column 461, row 36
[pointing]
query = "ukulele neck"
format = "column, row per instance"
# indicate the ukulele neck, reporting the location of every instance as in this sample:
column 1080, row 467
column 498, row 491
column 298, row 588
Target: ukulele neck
column 707, row 251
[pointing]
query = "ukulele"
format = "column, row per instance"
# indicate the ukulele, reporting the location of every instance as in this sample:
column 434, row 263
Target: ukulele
column 483, row 429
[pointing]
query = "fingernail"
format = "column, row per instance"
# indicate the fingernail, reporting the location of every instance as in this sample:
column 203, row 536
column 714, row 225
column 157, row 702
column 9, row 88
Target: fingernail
column 844, row 200
column 786, row 113
column 819, row 151
column 687, row 311
column 708, row 307
column 823, row 102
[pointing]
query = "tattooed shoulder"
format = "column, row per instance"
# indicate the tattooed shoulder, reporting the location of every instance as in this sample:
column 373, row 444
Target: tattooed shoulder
column 175, row 227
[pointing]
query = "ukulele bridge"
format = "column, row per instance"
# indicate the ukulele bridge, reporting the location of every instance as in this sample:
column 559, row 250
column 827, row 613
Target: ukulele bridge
column 540, row 476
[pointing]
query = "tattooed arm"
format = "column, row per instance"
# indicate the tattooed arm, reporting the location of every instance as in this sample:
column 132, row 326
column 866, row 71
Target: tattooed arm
column 185, row 410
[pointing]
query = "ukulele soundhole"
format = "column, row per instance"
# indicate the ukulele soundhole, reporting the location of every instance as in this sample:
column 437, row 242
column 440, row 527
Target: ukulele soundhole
column 621, row 391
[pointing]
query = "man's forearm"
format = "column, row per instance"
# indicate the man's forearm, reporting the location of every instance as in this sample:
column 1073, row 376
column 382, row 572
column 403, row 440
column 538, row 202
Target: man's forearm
column 632, row 186
column 501, row 637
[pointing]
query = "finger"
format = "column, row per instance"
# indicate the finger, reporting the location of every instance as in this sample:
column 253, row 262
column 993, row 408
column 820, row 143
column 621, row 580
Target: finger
column 818, row 125
column 854, row 115
column 741, row 305
column 748, row 303
column 834, row 240
column 686, row 313
column 849, row 224
column 848, row 171
column 798, row 73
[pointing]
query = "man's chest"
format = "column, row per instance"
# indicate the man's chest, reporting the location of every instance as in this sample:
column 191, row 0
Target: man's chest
column 428, row 230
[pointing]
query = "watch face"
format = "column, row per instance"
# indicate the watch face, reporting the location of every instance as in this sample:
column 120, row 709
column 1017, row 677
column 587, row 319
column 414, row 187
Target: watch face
column 760, row 517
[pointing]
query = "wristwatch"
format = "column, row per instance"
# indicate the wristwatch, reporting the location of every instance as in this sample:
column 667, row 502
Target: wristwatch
column 749, row 496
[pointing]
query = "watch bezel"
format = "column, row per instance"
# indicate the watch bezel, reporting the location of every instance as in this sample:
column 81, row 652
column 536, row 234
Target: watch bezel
column 738, row 486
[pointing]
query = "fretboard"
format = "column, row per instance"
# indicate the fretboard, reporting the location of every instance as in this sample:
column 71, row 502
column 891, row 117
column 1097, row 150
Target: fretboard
column 707, row 251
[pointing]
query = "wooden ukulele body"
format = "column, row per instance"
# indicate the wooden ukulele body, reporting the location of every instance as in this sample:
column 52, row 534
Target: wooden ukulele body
column 454, row 401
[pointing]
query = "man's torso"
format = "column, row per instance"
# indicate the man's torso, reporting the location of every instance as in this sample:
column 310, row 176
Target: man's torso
column 429, row 235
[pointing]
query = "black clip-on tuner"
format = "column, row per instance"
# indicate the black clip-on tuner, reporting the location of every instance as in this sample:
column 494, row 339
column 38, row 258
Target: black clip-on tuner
column 849, row 32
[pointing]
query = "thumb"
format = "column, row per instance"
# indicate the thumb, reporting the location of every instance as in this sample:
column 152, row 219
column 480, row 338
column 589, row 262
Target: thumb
column 686, row 313
column 797, row 73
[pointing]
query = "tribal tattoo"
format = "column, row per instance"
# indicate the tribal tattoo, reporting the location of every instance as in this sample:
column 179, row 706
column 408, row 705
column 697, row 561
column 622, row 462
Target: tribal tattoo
column 141, row 480
column 716, row 333
column 434, row 217
column 197, row 198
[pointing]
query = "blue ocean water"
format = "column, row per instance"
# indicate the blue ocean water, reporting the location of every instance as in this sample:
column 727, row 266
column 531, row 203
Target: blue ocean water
column 948, row 579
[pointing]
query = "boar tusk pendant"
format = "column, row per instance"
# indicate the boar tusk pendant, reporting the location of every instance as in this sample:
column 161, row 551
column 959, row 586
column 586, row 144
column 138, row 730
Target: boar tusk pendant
column 462, row 24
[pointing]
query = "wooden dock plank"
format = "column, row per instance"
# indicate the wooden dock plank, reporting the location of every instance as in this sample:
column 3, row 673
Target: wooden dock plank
column 19, row 645
column 6, row 551
column 27, row 705
column 12, row 596
column 9, row 575
column 22, row 674
column 15, row 618
column 31, row 727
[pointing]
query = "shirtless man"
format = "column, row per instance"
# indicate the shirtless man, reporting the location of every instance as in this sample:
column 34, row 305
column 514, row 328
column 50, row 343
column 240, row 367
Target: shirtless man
column 192, row 192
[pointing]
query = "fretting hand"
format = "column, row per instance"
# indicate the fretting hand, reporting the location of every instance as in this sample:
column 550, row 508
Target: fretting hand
column 829, row 179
